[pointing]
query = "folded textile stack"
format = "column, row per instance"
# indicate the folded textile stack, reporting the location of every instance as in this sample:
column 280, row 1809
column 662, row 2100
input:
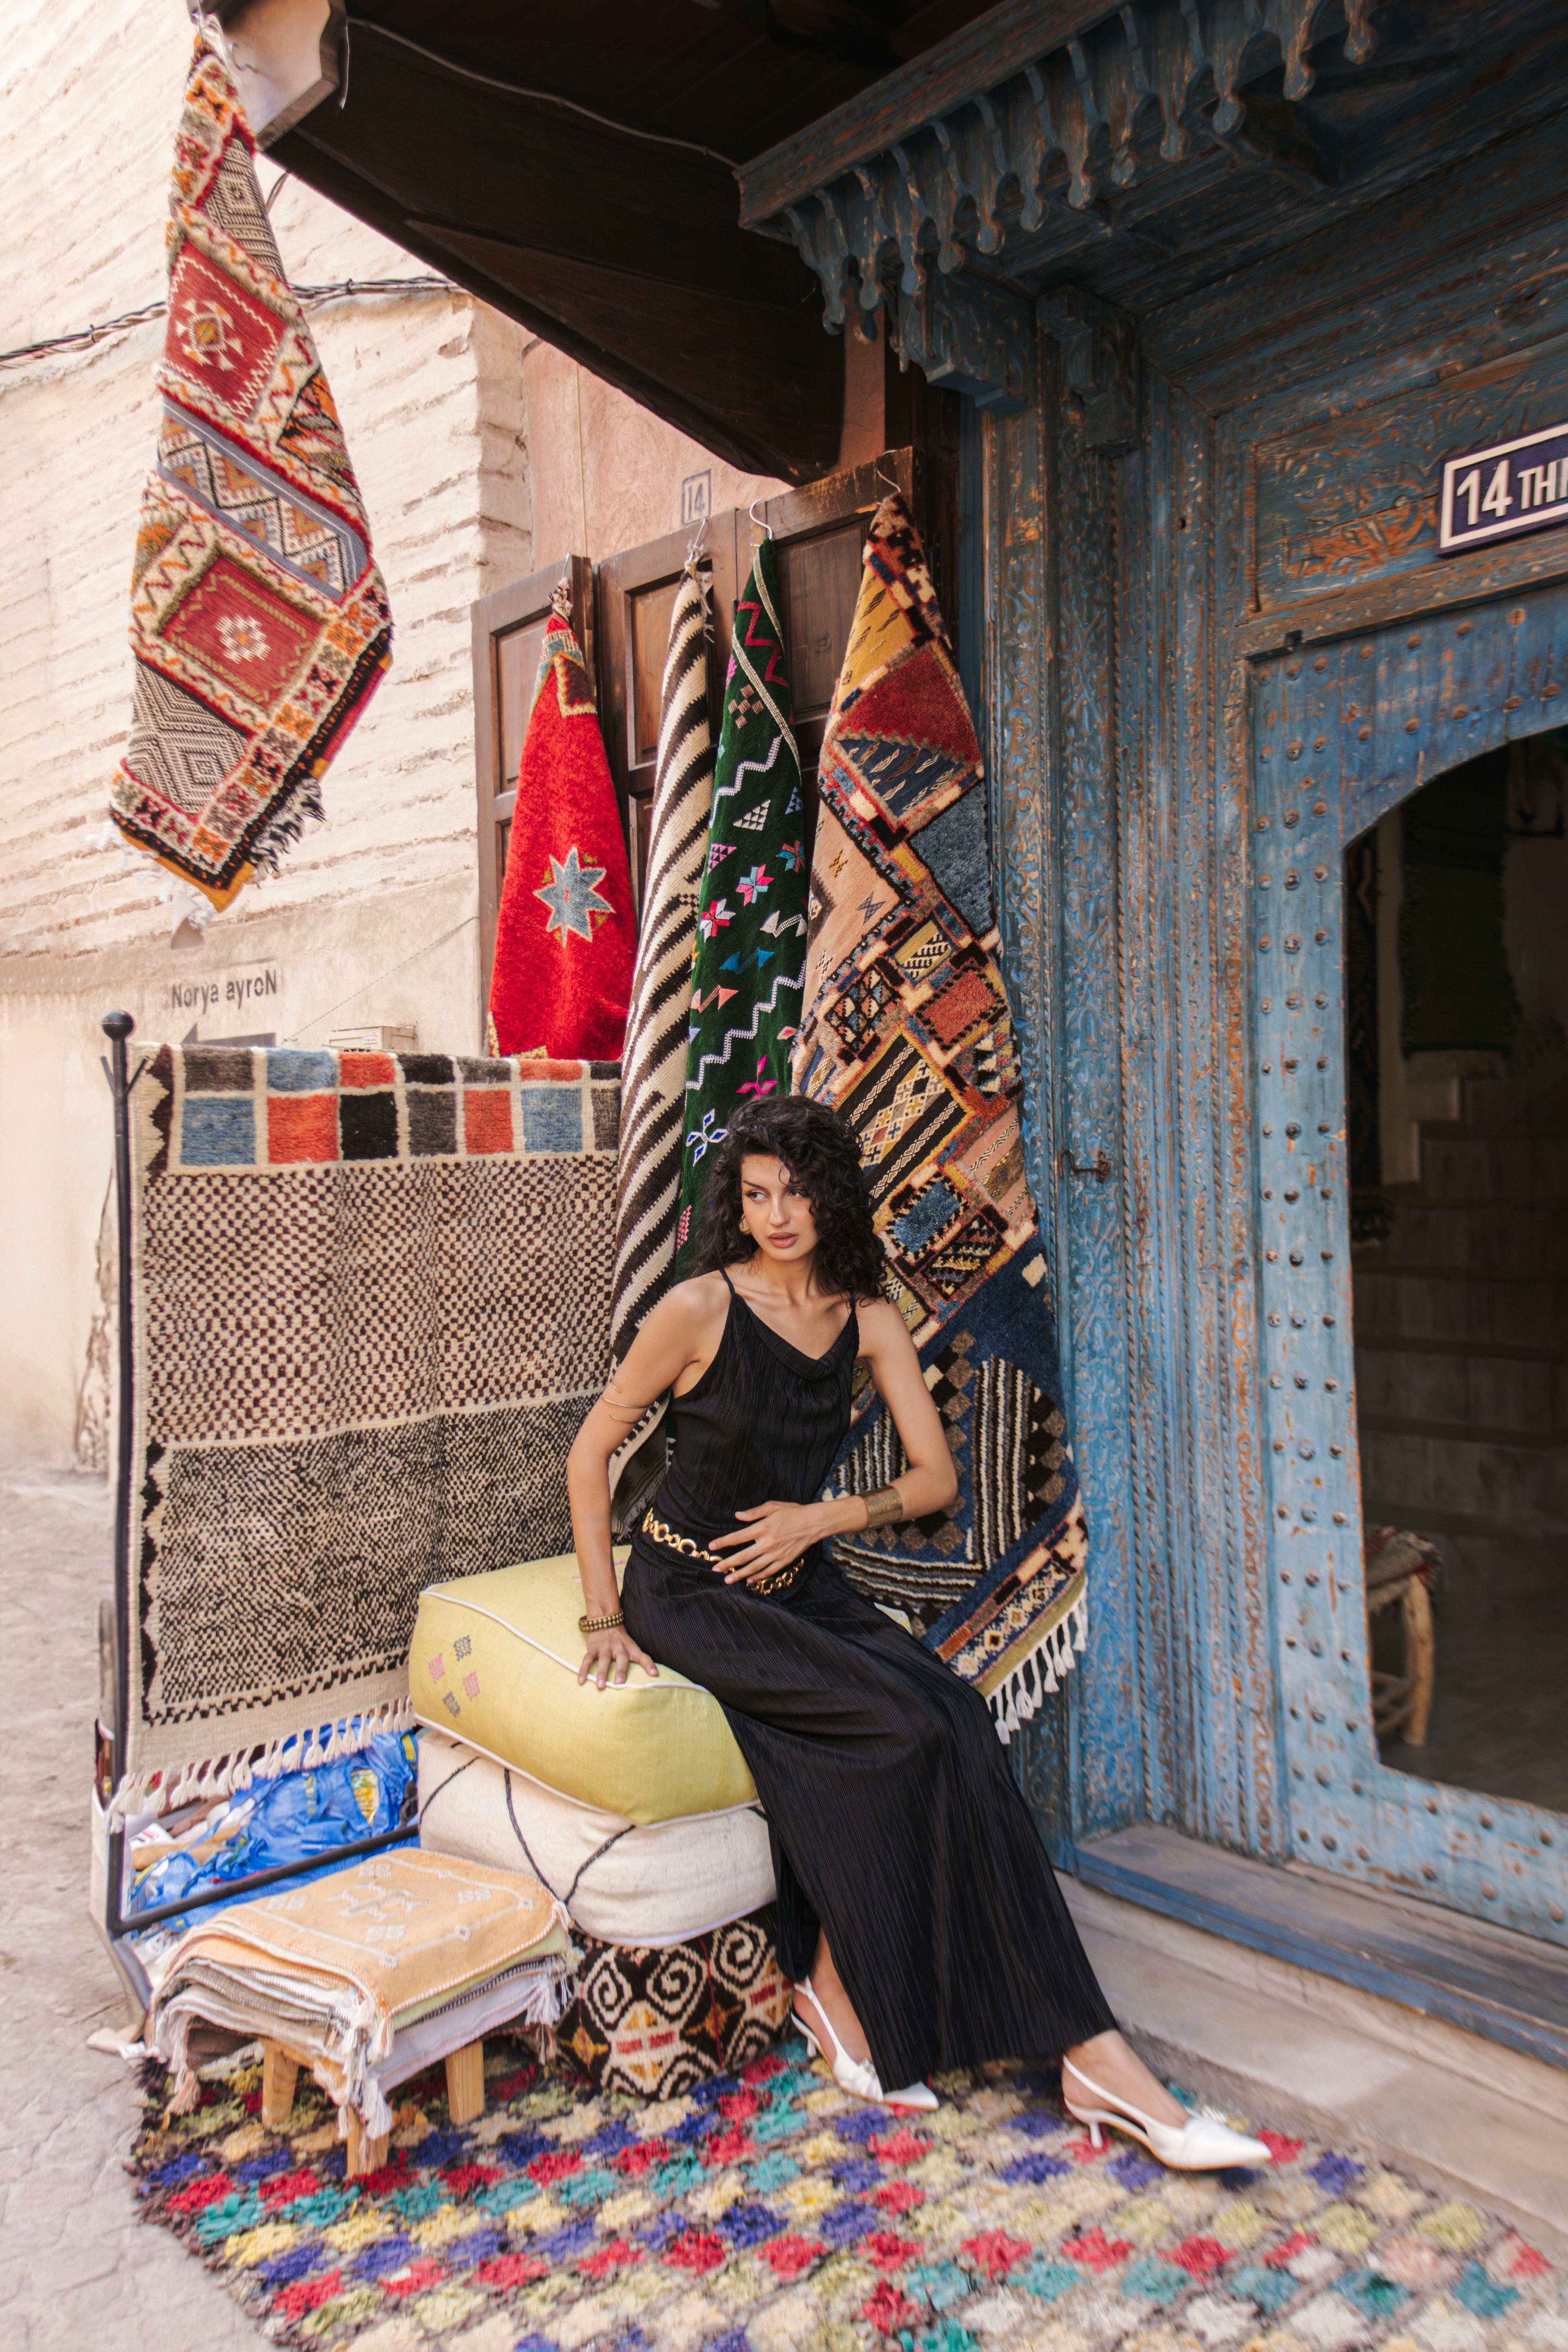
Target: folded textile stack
column 632, row 1805
column 369, row 1974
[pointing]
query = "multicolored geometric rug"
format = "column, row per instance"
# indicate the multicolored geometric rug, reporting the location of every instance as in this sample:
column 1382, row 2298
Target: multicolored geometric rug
column 751, row 916
column 258, row 620
column 370, row 1305
column 653, row 1065
column 907, row 1030
column 767, row 2212
column 566, row 931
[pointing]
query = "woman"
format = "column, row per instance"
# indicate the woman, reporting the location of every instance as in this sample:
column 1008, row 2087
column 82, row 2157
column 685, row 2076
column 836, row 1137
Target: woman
column 916, row 1907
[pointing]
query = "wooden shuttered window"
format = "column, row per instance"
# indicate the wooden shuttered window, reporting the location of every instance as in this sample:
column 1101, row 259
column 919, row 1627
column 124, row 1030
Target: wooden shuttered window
column 626, row 600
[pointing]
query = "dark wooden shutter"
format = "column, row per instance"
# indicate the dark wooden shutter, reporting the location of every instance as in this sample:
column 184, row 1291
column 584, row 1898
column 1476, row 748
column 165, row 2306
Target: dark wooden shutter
column 508, row 636
column 819, row 533
column 635, row 595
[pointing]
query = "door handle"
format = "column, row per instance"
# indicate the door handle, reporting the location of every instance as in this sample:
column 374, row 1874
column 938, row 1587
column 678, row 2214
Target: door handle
column 1098, row 1167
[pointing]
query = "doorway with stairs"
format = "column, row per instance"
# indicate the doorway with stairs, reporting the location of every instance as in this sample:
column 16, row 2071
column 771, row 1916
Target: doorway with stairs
column 1456, row 1067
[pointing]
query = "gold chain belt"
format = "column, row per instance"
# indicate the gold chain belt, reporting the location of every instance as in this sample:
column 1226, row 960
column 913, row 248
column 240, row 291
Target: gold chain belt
column 779, row 1581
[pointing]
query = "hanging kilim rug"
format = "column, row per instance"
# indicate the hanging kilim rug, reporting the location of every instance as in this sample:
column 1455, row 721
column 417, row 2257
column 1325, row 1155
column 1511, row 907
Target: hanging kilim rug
column 258, row 620
column 370, row 1310
column 765, row 2212
column 907, row 1031
column 567, row 929
column 653, row 1066
column 751, row 916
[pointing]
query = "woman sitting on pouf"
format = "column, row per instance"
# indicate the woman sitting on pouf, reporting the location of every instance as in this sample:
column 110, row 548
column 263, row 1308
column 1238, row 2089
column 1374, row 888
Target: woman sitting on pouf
column 916, row 1906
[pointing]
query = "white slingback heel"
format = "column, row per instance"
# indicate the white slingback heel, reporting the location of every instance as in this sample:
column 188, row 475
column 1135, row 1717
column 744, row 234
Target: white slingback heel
column 856, row 2076
column 1205, row 2142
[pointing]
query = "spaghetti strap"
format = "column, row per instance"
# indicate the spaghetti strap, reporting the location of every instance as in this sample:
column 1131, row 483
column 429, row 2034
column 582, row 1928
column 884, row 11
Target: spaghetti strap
column 728, row 1284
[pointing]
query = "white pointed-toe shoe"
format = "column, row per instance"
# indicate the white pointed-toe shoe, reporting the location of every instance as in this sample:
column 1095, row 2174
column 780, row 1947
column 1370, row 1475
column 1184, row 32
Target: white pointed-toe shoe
column 1205, row 2142
column 856, row 2076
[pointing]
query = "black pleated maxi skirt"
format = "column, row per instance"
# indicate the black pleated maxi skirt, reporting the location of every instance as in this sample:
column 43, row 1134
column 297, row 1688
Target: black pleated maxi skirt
column 895, row 1821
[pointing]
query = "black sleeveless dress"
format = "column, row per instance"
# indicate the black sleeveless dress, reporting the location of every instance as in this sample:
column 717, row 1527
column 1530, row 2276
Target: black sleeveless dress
column 896, row 1825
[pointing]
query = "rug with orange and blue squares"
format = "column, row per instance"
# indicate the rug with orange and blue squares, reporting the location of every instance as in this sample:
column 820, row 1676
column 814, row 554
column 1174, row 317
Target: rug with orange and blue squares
column 768, row 2213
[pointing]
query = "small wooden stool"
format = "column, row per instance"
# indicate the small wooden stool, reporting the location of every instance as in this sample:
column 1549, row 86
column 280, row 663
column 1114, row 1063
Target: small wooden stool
column 1398, row 1570
column 280, row 2071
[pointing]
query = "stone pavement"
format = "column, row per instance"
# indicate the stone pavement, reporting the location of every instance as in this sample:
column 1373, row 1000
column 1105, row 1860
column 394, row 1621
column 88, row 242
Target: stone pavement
column 79, row 2272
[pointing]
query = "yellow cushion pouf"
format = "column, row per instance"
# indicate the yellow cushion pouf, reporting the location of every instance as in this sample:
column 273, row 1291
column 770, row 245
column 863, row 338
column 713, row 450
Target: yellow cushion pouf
column 494, row 1662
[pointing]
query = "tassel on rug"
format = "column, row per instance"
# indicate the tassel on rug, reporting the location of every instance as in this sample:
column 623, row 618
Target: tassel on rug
column 751, row 917
column 566, row 932
column 258, row 620
column 653, row 1066
column 907, row 1031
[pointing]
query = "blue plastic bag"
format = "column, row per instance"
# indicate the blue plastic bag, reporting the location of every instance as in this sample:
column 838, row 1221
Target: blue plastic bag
column 314, row 1811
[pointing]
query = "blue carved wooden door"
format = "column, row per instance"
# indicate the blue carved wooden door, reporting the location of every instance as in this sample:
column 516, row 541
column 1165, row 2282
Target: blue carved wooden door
column 1338, row 733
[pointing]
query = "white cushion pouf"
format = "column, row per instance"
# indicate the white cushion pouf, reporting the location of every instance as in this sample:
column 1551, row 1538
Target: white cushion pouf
column 624, row 1883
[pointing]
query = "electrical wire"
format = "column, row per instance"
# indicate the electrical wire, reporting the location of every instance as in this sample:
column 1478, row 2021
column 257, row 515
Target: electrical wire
column 540, row 97
column 83, row 337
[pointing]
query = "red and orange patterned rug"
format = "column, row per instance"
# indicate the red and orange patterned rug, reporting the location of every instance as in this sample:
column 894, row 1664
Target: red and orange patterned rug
column 258, row 620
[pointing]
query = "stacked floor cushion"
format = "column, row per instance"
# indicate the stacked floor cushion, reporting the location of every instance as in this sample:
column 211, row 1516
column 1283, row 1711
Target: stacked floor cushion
column 624, row 1883
column 494, row 1664
column 633, row 1805
column 656, row 2022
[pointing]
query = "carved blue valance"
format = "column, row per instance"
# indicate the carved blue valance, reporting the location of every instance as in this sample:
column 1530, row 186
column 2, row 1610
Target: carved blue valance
column 951, row 225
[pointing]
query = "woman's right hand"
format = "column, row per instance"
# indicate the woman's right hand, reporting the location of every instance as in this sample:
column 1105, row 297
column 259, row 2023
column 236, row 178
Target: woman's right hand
column 608, row 1656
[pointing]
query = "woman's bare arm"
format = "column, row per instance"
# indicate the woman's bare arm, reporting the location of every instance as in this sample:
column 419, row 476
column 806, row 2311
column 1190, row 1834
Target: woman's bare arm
column 777, row 1533
column 681, row 1334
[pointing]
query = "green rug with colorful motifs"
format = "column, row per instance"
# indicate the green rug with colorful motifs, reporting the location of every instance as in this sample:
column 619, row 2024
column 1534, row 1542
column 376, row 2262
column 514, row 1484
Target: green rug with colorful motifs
column 767, row 2212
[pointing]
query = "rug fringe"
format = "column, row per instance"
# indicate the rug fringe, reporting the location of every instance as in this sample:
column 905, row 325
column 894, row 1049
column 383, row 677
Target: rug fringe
column 1023, row 1691
column 150, row 1794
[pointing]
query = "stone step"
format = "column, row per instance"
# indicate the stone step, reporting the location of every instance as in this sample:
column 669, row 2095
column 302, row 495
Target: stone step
column 1526, row 1240
column 1490, row 1312
column 1416, row 1466
column 1524, row 1395
column 1506, row 1167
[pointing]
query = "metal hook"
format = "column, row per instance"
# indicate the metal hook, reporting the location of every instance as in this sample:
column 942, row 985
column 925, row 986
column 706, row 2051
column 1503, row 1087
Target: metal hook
column 760, row 522
column 897, row 488
column 697, row 539
column 560, row 598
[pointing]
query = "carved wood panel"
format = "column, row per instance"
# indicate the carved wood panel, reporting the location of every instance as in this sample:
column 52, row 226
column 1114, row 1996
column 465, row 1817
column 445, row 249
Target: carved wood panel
column 1339, row 734
column 1351, row 497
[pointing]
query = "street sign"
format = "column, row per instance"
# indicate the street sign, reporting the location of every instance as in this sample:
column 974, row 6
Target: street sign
column 1500, row 492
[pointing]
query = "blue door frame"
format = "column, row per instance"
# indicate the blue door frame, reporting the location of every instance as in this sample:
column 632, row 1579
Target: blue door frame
column 1171, row 792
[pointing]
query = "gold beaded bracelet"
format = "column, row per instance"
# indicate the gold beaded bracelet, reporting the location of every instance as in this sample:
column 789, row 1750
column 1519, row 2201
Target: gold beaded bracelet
column 883, row 1507
column 586, row 1625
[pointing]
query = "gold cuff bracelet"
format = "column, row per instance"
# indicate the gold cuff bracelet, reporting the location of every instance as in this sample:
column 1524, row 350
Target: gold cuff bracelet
column 884, row 1509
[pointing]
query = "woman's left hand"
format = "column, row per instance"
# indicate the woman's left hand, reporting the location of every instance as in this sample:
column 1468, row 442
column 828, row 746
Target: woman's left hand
column 774, row 1534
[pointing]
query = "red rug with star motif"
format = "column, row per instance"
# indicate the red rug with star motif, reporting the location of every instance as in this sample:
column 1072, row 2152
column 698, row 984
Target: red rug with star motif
column 566, row 935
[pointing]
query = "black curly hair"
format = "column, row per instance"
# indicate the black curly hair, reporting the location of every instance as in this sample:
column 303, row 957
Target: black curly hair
column 822, row 1153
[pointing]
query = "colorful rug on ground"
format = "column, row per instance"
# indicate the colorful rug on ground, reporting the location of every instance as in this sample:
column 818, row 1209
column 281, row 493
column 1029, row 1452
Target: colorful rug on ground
column 751, row 916
column 767, row 2212
column 258, row 620
column 370, row 1304
column 566, row 933
column 907, row 1030
column 653, row 1067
